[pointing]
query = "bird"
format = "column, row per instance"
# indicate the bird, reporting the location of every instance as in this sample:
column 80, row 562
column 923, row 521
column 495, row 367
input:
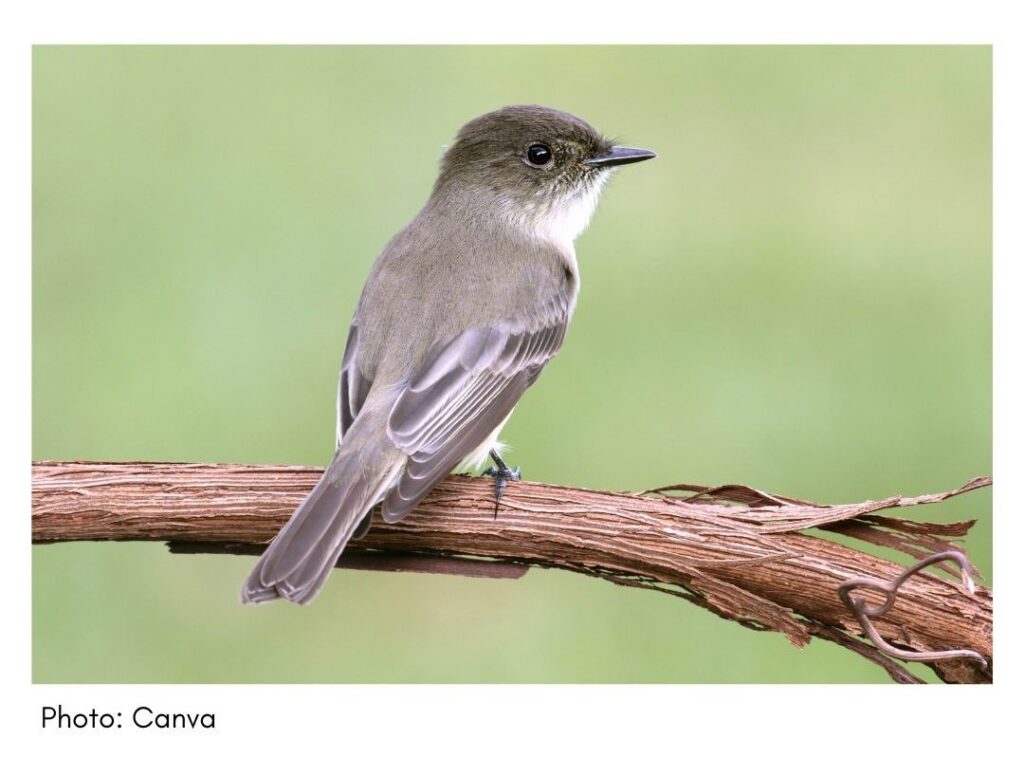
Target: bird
column 460, row 313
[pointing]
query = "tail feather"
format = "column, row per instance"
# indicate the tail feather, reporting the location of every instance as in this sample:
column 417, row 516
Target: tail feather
column 298, row 562
column 309, row 526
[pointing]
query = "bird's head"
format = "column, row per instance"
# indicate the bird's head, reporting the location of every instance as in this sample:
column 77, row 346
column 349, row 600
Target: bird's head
column 538, row 168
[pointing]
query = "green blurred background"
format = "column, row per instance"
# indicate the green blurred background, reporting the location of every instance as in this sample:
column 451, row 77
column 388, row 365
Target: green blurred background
column 799, row 285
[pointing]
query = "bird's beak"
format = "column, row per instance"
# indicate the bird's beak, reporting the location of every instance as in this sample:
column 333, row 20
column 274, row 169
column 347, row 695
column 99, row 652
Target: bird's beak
column 617, row 155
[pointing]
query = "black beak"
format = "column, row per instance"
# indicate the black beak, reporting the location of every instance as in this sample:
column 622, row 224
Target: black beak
column 617, row 155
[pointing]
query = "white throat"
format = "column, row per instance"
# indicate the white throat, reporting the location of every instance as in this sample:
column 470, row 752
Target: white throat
column 562, row 222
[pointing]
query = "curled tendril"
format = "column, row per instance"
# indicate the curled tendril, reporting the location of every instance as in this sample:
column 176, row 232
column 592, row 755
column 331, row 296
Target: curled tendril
column 864, row 611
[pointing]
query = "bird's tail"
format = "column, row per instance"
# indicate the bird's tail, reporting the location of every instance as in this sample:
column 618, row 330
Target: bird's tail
column 299, row 560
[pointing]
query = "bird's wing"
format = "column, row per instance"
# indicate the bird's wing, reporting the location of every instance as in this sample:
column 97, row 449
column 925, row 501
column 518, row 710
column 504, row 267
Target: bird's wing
column 353, row 386
column 466, row 387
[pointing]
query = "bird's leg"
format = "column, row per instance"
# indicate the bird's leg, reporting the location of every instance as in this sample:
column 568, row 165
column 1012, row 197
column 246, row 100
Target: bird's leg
column 502, row 476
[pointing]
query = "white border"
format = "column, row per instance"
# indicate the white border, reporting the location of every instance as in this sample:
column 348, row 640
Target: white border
column 472, row 729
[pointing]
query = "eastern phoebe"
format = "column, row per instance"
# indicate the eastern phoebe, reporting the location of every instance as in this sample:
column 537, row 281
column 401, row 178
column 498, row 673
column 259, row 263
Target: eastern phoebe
column 461, row 312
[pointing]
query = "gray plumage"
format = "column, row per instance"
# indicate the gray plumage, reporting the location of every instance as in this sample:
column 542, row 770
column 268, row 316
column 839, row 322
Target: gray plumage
column 460, row 314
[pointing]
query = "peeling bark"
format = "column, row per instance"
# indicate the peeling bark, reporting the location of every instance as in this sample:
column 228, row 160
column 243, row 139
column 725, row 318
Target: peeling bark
column 737, row 551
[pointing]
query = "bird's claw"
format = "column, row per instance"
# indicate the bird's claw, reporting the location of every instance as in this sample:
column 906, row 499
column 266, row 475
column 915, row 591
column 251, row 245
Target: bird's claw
column 503, row 475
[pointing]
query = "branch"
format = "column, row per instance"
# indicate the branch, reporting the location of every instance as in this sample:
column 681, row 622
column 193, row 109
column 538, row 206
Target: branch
column 741, row 553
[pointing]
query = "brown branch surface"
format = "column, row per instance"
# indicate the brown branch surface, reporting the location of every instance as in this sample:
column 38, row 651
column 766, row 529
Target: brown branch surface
column 739, row 552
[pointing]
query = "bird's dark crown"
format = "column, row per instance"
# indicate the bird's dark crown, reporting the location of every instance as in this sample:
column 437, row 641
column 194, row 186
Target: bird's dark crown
column 494, row 150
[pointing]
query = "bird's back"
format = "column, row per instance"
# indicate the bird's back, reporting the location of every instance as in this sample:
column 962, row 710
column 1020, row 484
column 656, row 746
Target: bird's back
column 439, row 282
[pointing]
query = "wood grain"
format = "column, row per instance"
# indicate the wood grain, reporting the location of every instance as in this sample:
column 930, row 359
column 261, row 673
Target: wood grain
column 737, row 551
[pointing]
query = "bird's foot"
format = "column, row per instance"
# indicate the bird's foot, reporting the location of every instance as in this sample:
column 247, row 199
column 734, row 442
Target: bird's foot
column 503, row 475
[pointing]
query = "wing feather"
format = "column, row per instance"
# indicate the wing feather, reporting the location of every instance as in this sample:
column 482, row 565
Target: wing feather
column 465, row 389
column 352, row 385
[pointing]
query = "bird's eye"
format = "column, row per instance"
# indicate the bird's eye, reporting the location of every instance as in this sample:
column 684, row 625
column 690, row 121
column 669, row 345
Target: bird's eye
column 538, row 154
